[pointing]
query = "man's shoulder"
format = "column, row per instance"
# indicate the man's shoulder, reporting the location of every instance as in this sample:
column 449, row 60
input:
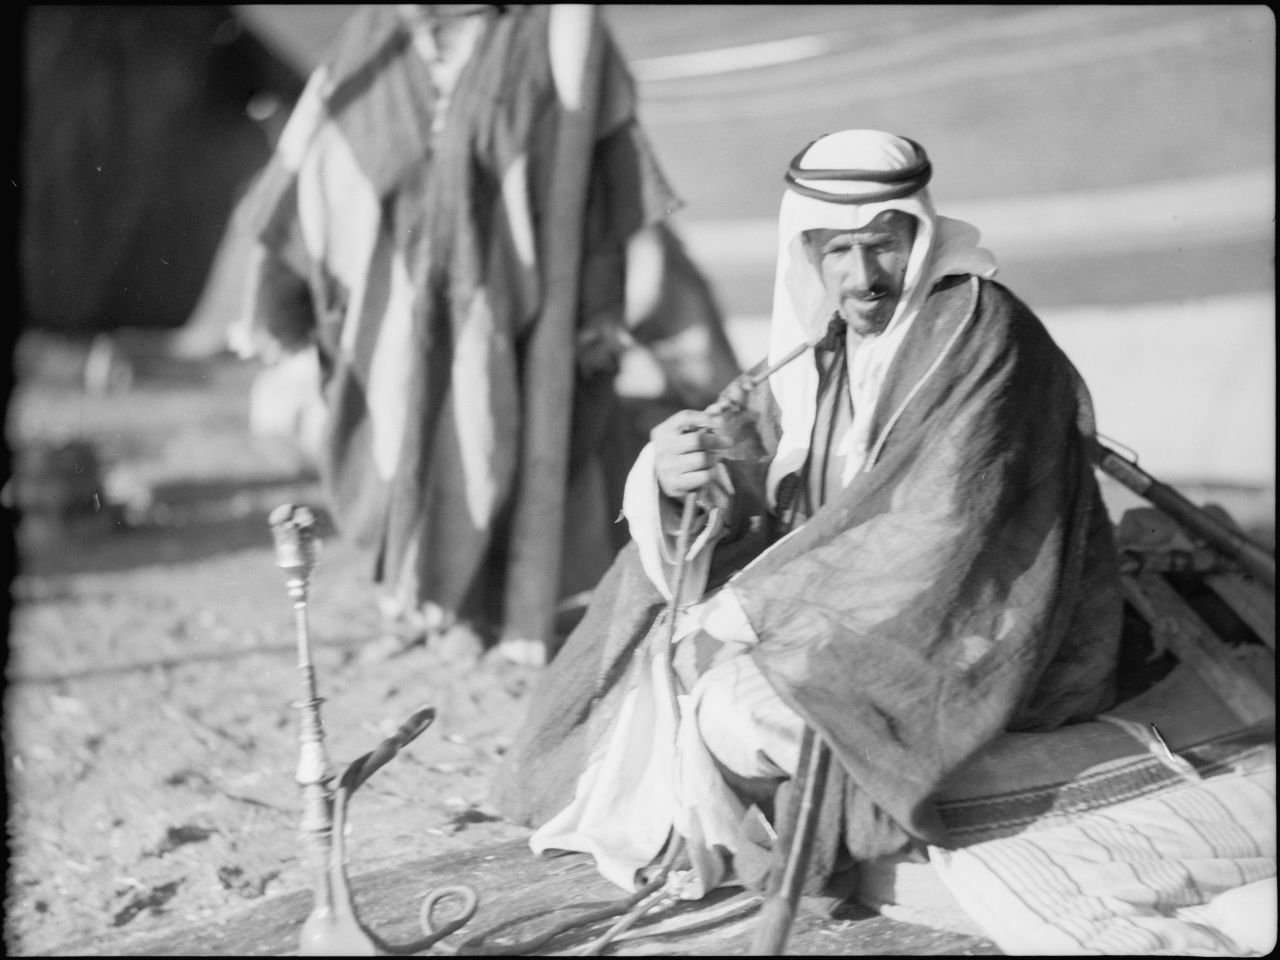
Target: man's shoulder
column 989, row 295
column 981, row 320
column 995, row 310
column 1000, row 297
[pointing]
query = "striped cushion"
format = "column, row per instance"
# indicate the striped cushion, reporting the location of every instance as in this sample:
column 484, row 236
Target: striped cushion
column 1166, row 873
column 1032, row 787
column 1031, row 780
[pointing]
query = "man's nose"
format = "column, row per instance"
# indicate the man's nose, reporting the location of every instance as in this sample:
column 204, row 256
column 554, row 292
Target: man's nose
column 862, row 274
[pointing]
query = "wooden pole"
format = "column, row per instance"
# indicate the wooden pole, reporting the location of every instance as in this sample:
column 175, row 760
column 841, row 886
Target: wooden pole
column 794, row 848
column 533, row 574
column 1175, row 625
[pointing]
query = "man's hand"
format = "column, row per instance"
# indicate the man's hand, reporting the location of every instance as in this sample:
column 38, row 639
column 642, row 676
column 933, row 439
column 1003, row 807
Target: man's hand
column 733, row 398
column 685, row 450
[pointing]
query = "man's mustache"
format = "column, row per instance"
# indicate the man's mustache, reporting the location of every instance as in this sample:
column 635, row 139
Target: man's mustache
column 868, row 295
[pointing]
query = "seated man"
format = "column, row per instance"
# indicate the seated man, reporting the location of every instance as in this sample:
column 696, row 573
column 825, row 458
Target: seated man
column 899, row 543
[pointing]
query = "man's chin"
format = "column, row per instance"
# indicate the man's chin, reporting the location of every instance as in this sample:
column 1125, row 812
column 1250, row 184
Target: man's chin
column 867, row 325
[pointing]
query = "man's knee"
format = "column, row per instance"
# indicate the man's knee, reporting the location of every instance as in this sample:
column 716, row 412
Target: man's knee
column 743, row 722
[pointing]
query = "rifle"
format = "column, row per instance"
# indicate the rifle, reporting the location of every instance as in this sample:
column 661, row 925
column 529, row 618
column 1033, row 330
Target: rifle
column 1233, row 544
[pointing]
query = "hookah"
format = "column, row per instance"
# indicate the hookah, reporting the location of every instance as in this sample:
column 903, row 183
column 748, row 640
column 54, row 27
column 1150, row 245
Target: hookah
column 333, row 927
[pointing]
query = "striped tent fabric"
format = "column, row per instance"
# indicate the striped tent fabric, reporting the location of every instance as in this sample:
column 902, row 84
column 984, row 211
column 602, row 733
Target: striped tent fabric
column 400, row 232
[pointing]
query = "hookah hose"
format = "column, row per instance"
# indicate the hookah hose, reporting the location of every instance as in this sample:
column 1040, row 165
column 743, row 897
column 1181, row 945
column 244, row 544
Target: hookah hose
column 356, row 774
column 636, row 904
column 631, row 908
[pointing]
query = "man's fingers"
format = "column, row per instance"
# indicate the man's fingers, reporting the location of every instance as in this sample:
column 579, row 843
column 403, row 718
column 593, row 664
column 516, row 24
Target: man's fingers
column 684, row 432
column 684, row 473
column 696, row 480
column 703, row 441
column 689, row 482
column 698, row 460
column 694, row 419
column 677, row 467
column 687, row 421
column 686, row 449
column 733, row 397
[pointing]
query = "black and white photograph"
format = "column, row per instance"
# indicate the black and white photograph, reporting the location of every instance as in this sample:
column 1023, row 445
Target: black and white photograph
column 715, row 479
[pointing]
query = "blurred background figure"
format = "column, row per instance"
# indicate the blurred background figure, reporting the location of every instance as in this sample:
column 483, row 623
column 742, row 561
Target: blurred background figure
column 404, row 246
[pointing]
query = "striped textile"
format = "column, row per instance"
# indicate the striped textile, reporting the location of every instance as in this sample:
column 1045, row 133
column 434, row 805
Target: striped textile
column 1137, row 850
column 1118, row 781
column 1187, row 871
column 410, row 252
column 1032, row 781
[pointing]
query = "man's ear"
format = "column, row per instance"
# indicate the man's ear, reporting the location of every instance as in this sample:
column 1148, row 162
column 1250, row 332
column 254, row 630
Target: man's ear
column 809, row 246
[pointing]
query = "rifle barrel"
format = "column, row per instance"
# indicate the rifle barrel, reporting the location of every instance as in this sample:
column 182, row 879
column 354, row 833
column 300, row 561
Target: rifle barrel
column 1230, row 542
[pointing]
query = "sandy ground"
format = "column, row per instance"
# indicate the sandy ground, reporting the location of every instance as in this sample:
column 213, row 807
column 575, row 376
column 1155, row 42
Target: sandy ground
column 150, row 737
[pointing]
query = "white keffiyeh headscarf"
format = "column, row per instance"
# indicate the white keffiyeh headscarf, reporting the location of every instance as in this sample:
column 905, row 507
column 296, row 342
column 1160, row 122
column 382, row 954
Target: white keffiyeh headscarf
column 890, row 172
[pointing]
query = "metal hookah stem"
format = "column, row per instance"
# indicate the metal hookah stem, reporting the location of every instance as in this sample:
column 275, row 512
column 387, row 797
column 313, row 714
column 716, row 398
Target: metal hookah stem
column 293, row 529
column 314, row 772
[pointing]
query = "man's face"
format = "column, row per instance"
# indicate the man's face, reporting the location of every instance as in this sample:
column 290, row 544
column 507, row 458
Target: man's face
column 864, row 270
